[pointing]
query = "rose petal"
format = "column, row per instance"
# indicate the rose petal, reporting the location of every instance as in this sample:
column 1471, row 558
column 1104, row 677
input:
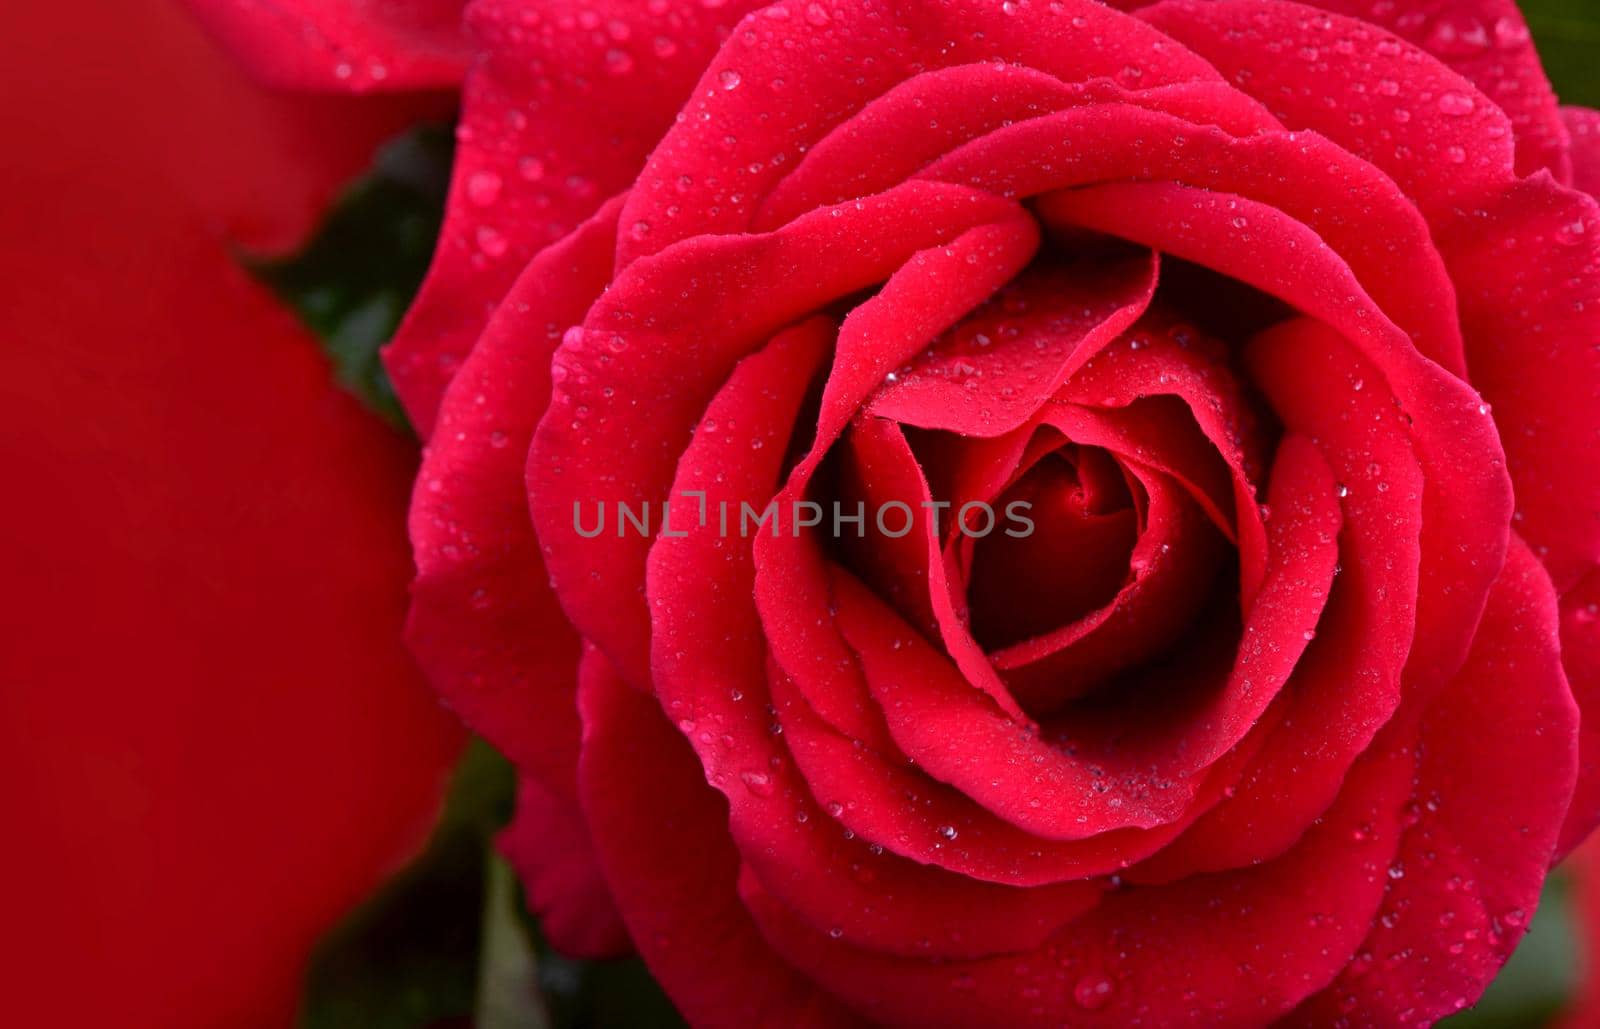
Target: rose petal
column 1299, row 176
column 548, row 845
column 959, row 736
column 931, row 114
column 1467, row 496
column 782, row 83
column 1440, row 139
column 1489, row 806
column 1348, row 685
column 1177, row 728
column 1580, row 657
column 353, row 46
column 1168, row 949
column 1584, row 126
column 662, row 842
column 201, row 540
column 1488, row 43
column 559, row 112
column 1528, row 266
column 1069, row 311
column 631, row 385
column 708, row 667
column 484, row 623
column 906, row 813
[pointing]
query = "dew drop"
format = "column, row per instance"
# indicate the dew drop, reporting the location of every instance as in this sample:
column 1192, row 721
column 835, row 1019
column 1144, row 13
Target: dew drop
column 1092, row 992
column 1458, row 37
column 490, row 241
column 1510, row 33
column 483, row 188
column 618, row 62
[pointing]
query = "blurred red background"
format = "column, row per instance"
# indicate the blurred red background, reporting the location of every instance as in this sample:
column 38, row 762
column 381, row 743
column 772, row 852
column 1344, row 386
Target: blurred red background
column 212, row 742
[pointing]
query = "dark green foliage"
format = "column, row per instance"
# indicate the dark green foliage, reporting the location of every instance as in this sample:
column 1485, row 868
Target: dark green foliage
column 353, row 281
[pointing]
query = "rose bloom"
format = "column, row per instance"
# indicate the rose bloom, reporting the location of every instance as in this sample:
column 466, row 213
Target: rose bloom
column 1282, row 320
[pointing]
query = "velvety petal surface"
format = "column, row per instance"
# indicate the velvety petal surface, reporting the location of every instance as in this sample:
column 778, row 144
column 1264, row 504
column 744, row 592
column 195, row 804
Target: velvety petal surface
column 353, row 46
column 558, row 113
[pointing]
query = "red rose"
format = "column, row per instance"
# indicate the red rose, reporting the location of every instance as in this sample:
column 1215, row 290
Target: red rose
column 1277, row 327
column 212, row 742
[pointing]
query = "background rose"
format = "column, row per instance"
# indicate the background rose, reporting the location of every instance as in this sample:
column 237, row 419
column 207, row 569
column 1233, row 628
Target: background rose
column 938, row 803
column 212, row 741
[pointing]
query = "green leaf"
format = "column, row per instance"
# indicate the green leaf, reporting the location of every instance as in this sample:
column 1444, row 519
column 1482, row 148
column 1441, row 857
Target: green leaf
column 408, row 957
column 603, row 994
column 353, row 281
column 1541, row 976
column 508, row 982
column 1567, row 33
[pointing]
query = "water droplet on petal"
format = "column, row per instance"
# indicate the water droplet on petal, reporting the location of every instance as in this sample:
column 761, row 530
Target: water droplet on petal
column 618, row 62
column 1454, row 36
column 483, row 188
column 491, row 242
column 759, row 783
column 1510, row 33
column 1092, row 992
